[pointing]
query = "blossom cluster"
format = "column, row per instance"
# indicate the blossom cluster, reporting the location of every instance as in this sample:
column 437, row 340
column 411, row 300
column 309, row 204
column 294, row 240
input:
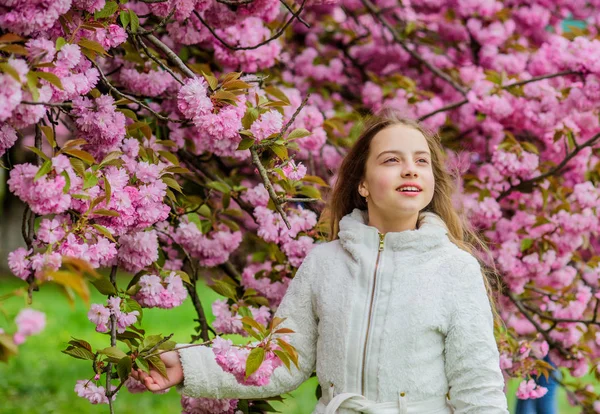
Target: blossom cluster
column 233, row 360
column 164, row 293
column 100, row 315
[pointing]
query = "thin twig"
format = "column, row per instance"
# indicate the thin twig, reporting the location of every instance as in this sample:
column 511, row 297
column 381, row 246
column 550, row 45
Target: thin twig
column 462, row 102
column 159, row 343
column 196, row 164
column 545, row 334
column 267, row 183
column 158, row 61
column 561, row 320
column 266, row 143
column 298, row 200
column 131, row 98
column 235, row 2
column 158, row 25
column 172, row 56
column 300, row 19
column 542, row 77
column 178, row 348
column 53, row 105
column 444, row 109
column 230, row 47
column 113, row 342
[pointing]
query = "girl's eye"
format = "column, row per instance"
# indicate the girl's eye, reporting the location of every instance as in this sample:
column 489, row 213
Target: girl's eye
column 391, row 159
column 424, row 160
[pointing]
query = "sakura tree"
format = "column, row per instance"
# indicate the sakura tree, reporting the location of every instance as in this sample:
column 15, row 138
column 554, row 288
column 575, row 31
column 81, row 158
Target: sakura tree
column 184, row 141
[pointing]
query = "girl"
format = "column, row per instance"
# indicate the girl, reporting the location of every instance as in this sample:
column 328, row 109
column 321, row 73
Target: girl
column 393, row 312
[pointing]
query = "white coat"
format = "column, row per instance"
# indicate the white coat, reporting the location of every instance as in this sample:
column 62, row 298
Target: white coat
column 392, row 323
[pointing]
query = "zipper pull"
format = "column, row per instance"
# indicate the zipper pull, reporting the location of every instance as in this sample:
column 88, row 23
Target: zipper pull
column 381, row 236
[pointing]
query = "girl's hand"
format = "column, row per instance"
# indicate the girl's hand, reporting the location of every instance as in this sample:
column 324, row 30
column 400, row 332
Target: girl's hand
column 155, row 381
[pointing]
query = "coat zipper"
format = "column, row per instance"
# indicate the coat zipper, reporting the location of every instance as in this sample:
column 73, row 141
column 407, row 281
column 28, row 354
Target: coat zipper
column 381, row 236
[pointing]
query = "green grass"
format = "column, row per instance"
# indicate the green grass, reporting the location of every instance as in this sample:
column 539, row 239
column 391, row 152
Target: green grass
column 41, row 378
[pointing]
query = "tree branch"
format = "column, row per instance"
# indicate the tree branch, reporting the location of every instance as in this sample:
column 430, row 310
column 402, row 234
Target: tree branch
column 436, row 71
column 131, row 98
column 267, row 183
column 529, row 183
column 553, row 344
column 158, row 61
column 113, row 342
column 541, row 77
column 231, row 47
column 460, row 103
column 172, row 56
column 158, row 25
column 53, row 105
column 195, row 162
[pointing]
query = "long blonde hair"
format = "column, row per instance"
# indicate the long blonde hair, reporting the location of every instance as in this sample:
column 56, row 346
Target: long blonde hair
column 344, row 197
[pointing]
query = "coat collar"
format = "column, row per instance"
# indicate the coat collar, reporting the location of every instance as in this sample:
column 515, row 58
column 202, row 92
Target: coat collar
column 356, row 236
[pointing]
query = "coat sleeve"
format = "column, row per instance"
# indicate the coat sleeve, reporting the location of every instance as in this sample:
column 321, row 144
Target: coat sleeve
column 203, row 377
column 471, row 353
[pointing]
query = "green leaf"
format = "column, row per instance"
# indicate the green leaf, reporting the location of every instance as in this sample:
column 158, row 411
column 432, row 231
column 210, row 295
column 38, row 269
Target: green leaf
column 284, row 358
column 49, row 133
column 90, row 180
column 246, row 143
column 104, row 286
column 50, row 77
column 7, row 347
column 92, row 45
column 60, row 42
column 171, row 183
column 6, row 68
column 309, row 191
column 211, row 80
column 224, row 289
column 104, row 231
column 78, row 166
column 32, row 85
column 113, row 352
column 526, row 244
column 80, row 343
column 315, row 179
column 256, row 357
column 44, row 169
column 158, row 364
column 105, row 212
column 298, row 133
column 281, row 151
column 125, row 18
column 39, row 153
column 219, row 186
column 135, row 21
column 276, row 92
column 172, row 158
column 246, row 320
column 81, row 154
column 142, row 363
column 289, row 350
column 79, row 353
column 204, row 210
column 124, row 368
column 107, row 190
column 150, row 341
column 109, row 9
column 250, row 116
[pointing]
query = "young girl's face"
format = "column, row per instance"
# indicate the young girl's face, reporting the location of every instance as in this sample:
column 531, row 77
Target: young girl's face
column 398, row 155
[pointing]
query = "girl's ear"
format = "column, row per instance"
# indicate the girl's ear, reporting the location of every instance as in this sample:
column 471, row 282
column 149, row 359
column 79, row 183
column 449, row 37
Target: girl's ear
column 362, row 189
